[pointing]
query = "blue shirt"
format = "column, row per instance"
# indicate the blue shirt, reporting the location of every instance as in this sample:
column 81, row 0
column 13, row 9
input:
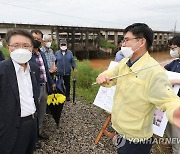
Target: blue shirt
column 65, row 62
column 174, row 66
column 119, row 56
column 49, row 56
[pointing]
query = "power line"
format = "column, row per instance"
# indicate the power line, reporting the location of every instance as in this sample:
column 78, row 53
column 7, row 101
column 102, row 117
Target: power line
column 58, row 13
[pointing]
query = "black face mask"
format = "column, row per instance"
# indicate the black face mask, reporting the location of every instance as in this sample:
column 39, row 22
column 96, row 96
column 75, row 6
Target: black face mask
column 119, row 48
column 36, row 44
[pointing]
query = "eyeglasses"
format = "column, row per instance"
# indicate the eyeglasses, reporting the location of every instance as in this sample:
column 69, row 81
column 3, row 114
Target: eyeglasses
column 24, row 46
column 128, row 39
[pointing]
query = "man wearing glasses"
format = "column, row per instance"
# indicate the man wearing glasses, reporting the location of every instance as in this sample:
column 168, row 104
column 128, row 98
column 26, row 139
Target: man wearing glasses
column 138, row 94
column 19, row 92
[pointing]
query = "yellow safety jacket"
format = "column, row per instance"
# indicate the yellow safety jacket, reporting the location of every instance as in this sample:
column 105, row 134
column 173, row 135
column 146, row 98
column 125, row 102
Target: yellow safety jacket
column 138, row 95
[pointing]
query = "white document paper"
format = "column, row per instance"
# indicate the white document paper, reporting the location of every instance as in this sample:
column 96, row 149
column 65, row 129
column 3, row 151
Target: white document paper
column 104, row 97
column 104, row 100
column 159, row 122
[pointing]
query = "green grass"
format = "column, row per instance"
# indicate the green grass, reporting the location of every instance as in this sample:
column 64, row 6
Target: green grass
column 86, row 75
column 5, row 52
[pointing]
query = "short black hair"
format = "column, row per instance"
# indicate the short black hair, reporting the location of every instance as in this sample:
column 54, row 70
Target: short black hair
column 120, row 39
column 175, row 41
column 22, row 32
column 37, row 31
column 141, row 30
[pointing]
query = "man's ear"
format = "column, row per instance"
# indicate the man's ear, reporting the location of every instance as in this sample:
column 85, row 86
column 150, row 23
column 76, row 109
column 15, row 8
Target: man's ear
column 143, row 42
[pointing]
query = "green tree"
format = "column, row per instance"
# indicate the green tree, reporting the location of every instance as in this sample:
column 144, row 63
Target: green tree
column 106, row 44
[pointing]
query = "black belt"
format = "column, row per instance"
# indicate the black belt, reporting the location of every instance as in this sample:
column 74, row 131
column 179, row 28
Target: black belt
column 42, row 84
column 30, row 117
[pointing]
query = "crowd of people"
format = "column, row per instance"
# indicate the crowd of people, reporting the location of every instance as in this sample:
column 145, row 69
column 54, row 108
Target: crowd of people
column 32, row 70
column 26, row 78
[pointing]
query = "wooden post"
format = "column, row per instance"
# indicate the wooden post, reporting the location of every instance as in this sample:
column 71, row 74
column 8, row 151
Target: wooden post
column 82, row 44
column 87, row 43
column 52, row 31
column 57, row 36
column 104, row 131
column 73, row 42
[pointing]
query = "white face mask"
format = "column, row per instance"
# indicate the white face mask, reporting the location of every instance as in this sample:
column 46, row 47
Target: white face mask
column 48, row 44
column 127, row 52
column 1, row 44
column 174, row 53
column 63, row 48
column 21, row 56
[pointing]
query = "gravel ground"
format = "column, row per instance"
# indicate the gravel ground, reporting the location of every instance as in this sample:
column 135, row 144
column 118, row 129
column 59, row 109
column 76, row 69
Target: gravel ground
column 78, row 129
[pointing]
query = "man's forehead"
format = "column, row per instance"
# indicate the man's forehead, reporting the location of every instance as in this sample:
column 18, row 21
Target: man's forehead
column 46, row 40
column 128, row 35
column 37, row 35
column 19, row 38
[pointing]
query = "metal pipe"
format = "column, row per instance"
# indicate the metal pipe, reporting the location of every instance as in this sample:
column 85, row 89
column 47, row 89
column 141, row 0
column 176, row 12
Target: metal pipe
column 118, row 76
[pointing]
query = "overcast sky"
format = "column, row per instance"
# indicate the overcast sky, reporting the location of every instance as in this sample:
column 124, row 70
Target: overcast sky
column 158, row 14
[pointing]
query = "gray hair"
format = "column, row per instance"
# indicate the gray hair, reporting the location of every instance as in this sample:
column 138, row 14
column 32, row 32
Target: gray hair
column 47, row 37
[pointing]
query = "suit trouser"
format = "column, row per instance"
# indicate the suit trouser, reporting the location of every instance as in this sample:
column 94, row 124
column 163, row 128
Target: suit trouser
column 127, row 147
column 42, row 106
column 174, row 132
column 26, row 137
column 66, row 79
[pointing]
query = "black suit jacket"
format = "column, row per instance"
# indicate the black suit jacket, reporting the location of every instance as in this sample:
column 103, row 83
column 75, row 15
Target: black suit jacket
column 50, row 82
column 10, row 110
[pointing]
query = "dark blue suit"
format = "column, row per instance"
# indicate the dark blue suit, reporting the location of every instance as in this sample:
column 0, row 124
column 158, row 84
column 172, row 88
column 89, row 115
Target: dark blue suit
column 10, row 110
column 50, row 82
column 44, row 89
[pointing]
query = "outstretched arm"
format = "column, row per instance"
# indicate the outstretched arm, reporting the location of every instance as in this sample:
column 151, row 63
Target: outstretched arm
column 176, row 117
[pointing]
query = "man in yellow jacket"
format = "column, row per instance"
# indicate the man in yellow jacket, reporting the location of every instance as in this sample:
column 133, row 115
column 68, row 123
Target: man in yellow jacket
column 139, row 94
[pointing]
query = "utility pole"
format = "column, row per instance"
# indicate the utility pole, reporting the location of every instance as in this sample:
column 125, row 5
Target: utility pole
column 174, row 28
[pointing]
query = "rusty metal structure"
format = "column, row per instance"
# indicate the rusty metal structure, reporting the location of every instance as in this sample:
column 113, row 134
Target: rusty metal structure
column 85, row 41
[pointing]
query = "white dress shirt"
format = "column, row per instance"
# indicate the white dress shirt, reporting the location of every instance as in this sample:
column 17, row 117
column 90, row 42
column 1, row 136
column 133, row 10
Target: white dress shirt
column 25, row 90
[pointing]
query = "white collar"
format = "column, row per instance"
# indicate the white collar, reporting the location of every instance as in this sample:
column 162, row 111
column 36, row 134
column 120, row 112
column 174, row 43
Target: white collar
column 18, row 67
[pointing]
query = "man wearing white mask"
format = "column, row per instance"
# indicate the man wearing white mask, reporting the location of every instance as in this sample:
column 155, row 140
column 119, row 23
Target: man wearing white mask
column 174, row 66
column 64, row 62
column 138, row 94
column 19, row 92
column 1, row 53
column 46, row 48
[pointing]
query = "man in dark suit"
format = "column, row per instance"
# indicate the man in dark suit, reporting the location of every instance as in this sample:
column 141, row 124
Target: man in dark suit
column 19, row 92
column 46, row 82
